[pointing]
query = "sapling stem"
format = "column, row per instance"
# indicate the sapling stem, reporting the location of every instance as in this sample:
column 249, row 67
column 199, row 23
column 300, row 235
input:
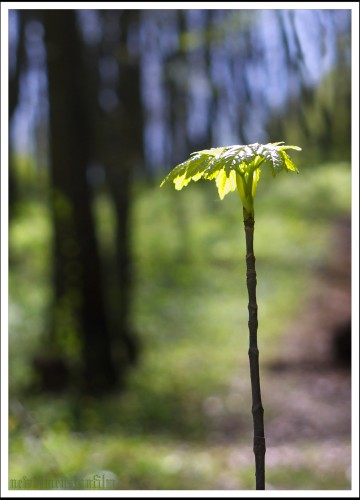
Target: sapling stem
column 238, row 167
column 257, row 408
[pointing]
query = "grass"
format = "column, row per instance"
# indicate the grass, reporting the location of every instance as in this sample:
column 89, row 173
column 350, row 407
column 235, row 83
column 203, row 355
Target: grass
column 189, row 310
column 151, row 463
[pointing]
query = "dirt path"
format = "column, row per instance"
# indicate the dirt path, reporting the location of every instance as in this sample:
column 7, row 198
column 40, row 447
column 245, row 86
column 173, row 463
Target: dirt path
column 313, row 386
column 307, row 391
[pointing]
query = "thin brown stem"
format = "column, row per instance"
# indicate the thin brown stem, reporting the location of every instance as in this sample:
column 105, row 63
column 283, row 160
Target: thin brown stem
column 257, row 408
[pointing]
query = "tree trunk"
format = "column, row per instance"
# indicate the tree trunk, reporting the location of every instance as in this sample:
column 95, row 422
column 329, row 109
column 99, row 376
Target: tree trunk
column 79, row 304
column 120, row 144
column 15, row 71
column 257, row 408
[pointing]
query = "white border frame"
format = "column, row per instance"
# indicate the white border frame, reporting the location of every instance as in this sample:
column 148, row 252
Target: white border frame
column 354, row 7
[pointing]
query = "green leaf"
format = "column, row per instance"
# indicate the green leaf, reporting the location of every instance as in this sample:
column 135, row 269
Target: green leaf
column 289, row 163
column 236, row 166
column 240, row 184
column 225, row 183
column 177, row 171
column 181, row 181
column 282, row 148
column 256, row 177
column 274, row 159
column 197, row 165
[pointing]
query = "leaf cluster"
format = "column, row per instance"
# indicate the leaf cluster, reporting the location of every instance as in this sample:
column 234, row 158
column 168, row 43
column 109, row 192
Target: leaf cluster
column 233, row 167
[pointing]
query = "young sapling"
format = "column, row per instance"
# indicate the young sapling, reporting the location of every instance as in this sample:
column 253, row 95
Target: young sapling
column 238, row 168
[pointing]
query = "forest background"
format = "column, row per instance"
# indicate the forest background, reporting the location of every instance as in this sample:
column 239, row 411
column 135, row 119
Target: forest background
column 127, row 303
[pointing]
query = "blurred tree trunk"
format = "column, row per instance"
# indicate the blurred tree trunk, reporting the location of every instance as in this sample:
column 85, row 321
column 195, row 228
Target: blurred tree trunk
column 14, row 91
column 129, row 155
column 120, row 149
column 178, row 96
column 79, row 304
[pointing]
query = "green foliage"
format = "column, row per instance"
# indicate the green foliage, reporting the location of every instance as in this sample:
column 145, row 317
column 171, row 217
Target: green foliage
column 233, row 167
column 173, row 427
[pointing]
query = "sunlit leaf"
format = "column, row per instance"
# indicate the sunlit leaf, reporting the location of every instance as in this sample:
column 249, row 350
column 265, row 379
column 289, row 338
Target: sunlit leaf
column 225, row 184
column 289, row 163
column 181, row 181
column 236, row 166
column 256, row 177
column 240, row 184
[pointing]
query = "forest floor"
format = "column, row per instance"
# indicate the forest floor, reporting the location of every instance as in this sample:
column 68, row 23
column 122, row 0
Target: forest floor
column 184, row 422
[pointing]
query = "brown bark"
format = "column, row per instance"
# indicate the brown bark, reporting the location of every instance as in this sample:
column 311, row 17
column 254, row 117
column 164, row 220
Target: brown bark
column 257, row 408
column 120, row 138
column 77, row 274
